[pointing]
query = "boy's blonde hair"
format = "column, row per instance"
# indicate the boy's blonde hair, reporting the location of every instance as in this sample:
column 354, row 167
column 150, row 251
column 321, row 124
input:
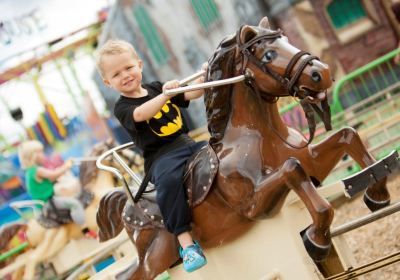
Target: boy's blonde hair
column 27, row 153
column 113, row 47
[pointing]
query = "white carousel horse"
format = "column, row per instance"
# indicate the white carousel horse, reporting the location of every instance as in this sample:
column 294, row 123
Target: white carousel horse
column 48, row 242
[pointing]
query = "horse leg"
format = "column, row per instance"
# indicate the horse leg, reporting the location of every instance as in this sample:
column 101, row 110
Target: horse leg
column 59, row 241
column 269, row 196
column 36, row 255
column 327, row 154
column 157, row 251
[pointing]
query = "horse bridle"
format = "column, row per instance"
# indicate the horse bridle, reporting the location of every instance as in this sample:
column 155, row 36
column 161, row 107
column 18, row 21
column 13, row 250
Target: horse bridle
column 288, row 81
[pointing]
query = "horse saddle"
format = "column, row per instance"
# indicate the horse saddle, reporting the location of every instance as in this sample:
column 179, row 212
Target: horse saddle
column 199, row 175
column 53, row 217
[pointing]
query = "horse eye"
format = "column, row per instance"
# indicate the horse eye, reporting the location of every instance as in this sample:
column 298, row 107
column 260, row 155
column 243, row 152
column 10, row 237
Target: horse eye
column 269, row 56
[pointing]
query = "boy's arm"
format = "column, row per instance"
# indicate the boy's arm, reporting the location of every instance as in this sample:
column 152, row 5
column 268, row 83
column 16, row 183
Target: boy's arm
column 53, row 174
column 150, row 108
column 190, row 95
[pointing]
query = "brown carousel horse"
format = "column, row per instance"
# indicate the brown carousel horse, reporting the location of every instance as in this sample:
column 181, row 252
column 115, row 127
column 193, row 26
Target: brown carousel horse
column 7, row 233
column 260, row 158
column 46, row 237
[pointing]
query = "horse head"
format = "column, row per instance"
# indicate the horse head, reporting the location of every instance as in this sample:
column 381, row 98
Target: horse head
column 272, row 68
column 277, row 67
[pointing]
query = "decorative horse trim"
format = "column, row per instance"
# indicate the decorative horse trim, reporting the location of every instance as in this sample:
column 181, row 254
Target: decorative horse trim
column 145, row 214
column 371, row 175
column 199, row 175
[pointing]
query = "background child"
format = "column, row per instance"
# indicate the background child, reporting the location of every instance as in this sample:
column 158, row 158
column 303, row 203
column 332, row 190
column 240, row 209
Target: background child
column 154, row 122
column 40, row 180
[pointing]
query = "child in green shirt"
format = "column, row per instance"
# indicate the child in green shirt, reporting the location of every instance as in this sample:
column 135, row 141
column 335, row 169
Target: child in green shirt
column 40, row 180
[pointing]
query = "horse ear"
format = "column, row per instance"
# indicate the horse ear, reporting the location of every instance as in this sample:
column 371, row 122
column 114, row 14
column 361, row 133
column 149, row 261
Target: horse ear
column 247, row 33
column 264, row 23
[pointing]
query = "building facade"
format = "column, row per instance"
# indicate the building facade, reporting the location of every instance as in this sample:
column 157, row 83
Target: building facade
column 356, row 31
column 175, row 37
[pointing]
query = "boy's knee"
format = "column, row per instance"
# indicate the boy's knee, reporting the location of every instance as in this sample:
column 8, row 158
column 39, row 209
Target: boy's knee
column 168, row 181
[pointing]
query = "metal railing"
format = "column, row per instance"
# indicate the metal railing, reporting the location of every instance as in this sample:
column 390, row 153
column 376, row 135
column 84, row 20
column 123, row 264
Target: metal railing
column 365, row 81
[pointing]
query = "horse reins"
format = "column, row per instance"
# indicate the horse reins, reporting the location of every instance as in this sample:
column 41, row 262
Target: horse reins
column 288, row 81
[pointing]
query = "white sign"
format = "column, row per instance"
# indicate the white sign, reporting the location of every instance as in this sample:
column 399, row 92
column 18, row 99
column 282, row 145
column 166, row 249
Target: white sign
column 26, row 24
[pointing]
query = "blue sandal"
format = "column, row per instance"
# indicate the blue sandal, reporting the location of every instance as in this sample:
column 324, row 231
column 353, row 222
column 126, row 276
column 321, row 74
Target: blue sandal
column 193, row 257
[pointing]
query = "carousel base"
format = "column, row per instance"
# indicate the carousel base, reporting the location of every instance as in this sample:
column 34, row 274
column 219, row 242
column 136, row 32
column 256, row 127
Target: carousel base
column 271, row 250
column 85, row 250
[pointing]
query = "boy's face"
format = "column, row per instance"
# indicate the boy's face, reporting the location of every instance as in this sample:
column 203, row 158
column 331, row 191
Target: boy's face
column 123, row 72
column 40, row 157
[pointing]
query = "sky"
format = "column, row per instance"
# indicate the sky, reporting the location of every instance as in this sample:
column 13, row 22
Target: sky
column 27, row 24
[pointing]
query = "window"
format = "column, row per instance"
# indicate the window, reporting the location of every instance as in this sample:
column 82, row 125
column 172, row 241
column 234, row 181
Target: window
column 151, row 35
column 345, row 12
column 351, row 19
column 206, row 11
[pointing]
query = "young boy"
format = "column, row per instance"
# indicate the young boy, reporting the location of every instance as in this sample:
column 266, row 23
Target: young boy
column 154, row 123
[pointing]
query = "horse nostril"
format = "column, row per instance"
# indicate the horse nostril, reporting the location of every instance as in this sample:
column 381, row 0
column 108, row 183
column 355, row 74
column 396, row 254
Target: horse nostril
column 316, row 76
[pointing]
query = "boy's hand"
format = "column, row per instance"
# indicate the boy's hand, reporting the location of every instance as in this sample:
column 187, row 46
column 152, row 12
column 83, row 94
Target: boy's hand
column 202, row 79
column 170, row 85
column 68, row 163
column 204, row 66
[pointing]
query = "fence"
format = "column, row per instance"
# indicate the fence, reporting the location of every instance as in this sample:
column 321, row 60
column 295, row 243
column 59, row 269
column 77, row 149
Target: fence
column 367, row 99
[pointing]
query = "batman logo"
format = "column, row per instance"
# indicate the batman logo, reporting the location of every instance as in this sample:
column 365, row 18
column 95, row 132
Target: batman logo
column 167, row 121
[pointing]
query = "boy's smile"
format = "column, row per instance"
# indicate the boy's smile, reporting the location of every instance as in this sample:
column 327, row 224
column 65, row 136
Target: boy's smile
column 123, row 72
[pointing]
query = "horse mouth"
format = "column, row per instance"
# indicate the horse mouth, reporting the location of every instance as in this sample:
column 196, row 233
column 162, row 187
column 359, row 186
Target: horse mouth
column 311, row 95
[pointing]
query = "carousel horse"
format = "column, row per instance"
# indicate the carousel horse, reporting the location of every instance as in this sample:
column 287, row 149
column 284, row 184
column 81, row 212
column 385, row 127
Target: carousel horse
column 253, row 159
column 8, row 233
column 47, row 236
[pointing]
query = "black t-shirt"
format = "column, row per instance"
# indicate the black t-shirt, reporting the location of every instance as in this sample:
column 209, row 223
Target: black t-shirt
column 161, row 129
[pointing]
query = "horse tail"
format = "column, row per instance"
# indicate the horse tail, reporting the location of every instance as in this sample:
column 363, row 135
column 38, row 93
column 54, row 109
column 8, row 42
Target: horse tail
column 109, row 212
column 8, row 231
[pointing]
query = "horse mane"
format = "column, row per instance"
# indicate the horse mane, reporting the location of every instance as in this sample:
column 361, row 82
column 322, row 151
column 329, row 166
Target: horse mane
column 217, row 100
column 109, row 214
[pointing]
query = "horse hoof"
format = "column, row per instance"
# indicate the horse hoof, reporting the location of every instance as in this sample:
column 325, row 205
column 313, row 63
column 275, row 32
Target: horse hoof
column 374, row 205
column 317, row 252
